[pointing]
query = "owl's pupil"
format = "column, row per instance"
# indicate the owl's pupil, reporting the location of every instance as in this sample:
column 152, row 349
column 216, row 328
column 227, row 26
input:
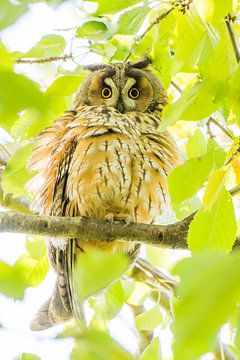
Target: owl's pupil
column 106, row 92
column 134, row 93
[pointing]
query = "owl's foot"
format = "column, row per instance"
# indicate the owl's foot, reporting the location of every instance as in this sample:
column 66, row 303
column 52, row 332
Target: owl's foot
column 111, row 217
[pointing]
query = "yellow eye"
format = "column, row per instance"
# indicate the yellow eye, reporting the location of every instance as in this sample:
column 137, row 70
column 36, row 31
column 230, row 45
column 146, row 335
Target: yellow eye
column 134, row 93
column 106, row 93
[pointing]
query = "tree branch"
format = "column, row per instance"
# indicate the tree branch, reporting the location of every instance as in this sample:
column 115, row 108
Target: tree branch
column 226, row 132
column 233, row 38
column 172, row 236
column 44, row 60
column 155, row 22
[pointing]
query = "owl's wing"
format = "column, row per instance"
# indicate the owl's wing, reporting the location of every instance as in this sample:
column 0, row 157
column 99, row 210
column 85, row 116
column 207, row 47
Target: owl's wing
column 65, row 253
column 52, row 159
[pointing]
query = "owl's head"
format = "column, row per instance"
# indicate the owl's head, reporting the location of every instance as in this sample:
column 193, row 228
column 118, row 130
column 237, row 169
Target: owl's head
column 124, row 86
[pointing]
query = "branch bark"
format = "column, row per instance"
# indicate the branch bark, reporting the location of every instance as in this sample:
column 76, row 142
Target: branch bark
column 45, row 60
column 172, row 236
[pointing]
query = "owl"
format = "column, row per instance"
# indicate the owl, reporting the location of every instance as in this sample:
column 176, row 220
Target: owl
column 104, row 159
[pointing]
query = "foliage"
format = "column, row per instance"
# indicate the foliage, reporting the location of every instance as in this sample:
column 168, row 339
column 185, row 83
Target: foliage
column 192, row 50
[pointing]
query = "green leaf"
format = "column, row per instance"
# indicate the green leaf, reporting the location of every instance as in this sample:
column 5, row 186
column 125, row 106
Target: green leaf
column 196, row 145
column 31, row 122
column 6, row 60
column 11, row 283
column 113, row 6
column 114, row 299
column 214, row 187
column 96, row 345
column 15, row 175
column 92, row 272
column 135, row 292
column 10, row 12
column 188, row 178
column 49, row 45
column 218, row 153
column 94, row 30
column 122, row 44
column 214, row 11
column 215, row 229
column 186, row 207
column 152, row 351
column 208, row 293
column 192, row 38
column 105, row 50
column 150, row 319
column 28, row 96
column 36, row 247
column 27, row 356
column 173, row 112
column 32, row 271
column 65, row 85
column 131, row 20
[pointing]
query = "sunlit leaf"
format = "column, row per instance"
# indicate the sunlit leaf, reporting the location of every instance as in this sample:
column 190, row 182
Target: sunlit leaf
column 93, row 273
column 95, row 30
column 152, row 351
column 135, row 292
column 113, row 6
column 106, row 50
column 196, row 145
column 114, row 299
column 186, row 207
column 214, row 229
column 11, row 282
column 130, row 21
column 96, row 345
column 10, row 12
column 33, row 271
column 214, row 187
column 15, row 175
column 6, row 60
column 150, row 319
column 36, row 247
column 208, row 293
column 49, row 45
column 64, row 85
column 27, row 356
column 188, row 178
column 28, row 96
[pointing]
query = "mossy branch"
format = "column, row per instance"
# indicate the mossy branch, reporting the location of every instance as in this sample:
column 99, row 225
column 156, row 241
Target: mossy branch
column 172, row 236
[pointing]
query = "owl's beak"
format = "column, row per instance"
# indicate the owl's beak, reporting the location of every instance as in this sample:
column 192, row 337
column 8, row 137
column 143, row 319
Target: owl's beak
column 120, row 106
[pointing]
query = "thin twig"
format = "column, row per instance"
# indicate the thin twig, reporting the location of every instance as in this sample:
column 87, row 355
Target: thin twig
column 212, row 120
column 155, row 22
column 234, row 191
column 233, row 38
column 176, row 86
column 45, row 60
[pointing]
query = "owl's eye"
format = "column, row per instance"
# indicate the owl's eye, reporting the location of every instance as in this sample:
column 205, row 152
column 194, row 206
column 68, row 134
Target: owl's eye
column 134, row 93
column 106, row 92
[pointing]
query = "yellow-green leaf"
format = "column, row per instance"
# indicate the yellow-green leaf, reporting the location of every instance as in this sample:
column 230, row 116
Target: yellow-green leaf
column 214, row 229
column 214, row 187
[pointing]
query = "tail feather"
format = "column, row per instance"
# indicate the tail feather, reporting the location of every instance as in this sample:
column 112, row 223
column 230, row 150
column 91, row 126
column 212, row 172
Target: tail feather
column 51, row 313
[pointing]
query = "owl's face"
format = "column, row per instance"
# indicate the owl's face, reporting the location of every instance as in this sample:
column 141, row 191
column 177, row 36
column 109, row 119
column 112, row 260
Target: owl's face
column 124, row 86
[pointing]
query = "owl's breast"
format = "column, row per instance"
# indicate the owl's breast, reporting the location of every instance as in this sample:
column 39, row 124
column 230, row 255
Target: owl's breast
column 114, row 173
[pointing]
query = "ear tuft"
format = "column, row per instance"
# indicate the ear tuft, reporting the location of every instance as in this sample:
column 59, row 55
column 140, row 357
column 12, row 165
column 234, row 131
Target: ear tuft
column 140, row 64
column 95, row 67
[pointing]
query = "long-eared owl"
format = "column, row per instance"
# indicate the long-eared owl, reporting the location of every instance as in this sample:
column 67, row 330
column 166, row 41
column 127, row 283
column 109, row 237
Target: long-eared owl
column 105, row 158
